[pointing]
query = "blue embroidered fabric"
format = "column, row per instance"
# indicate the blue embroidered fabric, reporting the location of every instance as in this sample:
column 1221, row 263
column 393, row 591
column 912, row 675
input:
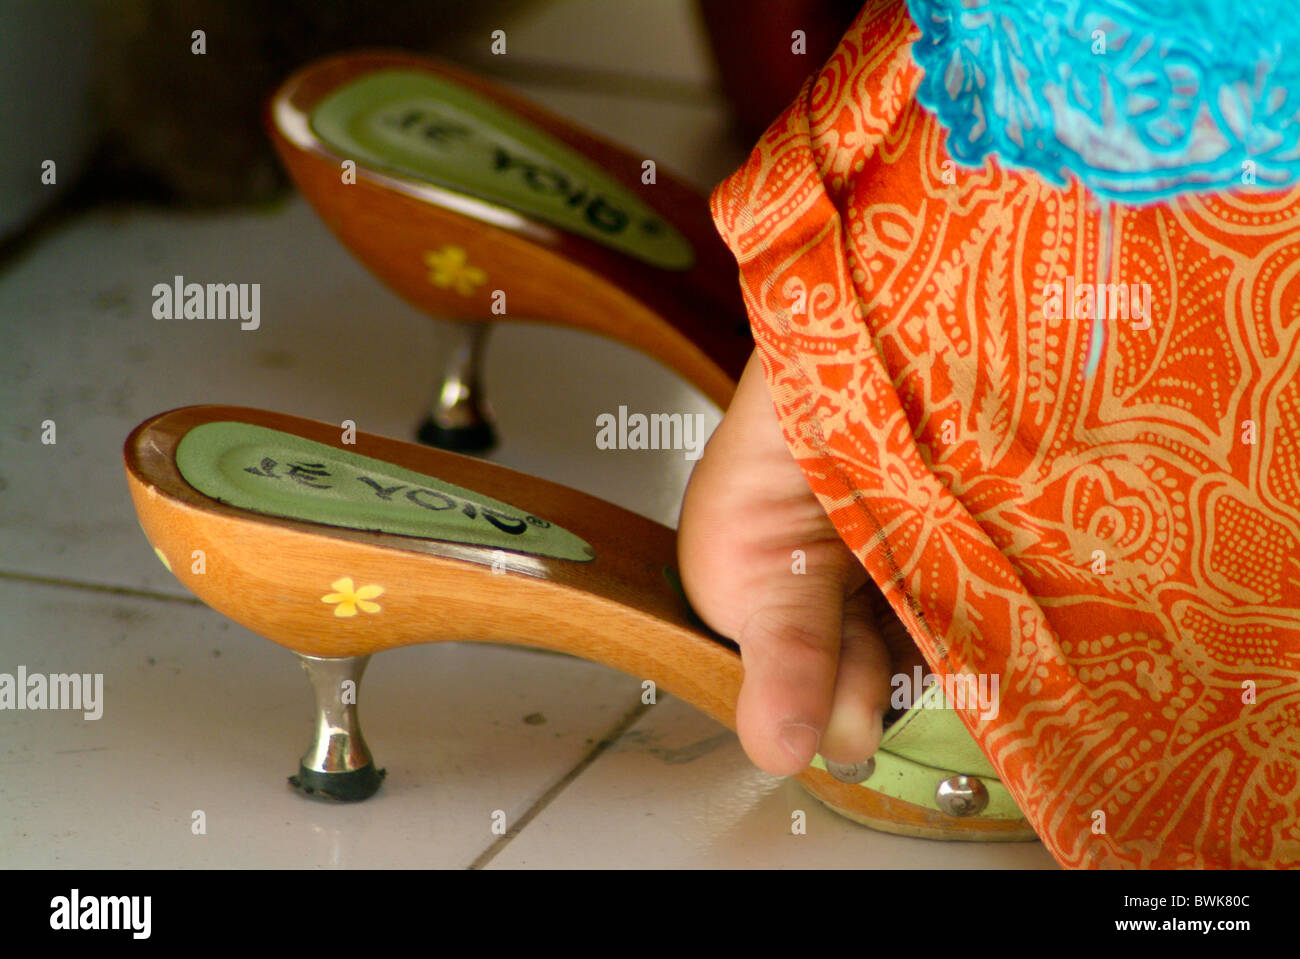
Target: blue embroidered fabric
column 1139, row 100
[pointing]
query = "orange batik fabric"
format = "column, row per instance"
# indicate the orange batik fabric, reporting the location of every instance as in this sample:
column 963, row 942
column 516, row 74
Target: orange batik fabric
column 1116, row 538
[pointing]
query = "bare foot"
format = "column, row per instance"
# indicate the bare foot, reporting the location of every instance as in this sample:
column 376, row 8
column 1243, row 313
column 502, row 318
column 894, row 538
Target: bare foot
column 816, row 667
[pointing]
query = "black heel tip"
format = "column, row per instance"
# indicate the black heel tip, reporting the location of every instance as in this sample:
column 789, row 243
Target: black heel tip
column 464, row 439
column 351, row 786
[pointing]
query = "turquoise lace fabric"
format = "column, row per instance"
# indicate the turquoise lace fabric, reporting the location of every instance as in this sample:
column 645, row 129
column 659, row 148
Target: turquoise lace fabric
column 1140, row 101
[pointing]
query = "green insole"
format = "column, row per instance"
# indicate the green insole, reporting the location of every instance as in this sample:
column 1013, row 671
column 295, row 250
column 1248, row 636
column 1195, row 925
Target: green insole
column 427, row 128
column 280, row 474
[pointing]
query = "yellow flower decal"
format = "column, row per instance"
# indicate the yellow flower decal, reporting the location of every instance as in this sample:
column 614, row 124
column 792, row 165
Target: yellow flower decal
column 349, row 600
column 449, row 268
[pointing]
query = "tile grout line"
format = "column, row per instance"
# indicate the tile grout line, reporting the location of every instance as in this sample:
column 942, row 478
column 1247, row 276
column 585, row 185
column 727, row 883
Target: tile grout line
column 606, row 741
column 7, row 575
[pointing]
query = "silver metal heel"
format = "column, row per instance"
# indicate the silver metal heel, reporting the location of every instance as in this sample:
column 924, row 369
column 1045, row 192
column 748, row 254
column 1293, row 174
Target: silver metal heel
column 461, row 419
column 337, row 764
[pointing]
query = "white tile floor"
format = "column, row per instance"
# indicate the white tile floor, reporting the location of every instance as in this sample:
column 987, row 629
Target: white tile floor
column 199, row 713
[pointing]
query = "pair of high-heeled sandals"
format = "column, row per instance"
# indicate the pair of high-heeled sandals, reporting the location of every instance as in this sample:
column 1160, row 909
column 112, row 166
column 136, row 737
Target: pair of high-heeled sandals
column 472, row 204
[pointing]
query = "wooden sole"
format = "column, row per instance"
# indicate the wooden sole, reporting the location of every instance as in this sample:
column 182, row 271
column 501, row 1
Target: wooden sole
column 692, row 320
column 281, row 578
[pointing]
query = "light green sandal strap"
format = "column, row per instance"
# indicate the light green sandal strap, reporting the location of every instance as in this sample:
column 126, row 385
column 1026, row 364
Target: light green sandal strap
column 932, row 733
column 929, row 758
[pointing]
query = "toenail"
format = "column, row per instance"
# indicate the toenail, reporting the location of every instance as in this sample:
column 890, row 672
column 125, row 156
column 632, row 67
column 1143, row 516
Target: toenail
column 800, row 741
column 852, row 773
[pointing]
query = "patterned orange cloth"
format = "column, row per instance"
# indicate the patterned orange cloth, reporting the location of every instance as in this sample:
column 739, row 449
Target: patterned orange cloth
column 1121, row 547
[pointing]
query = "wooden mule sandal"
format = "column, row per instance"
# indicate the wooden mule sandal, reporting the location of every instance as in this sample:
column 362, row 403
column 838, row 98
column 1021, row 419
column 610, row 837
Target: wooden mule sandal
column 472, row 203
column 340, row 551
